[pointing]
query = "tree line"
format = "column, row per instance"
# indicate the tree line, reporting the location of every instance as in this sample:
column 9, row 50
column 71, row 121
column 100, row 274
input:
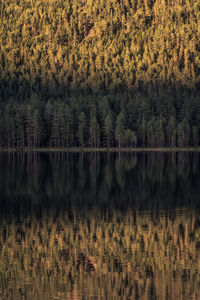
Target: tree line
column 120, row 120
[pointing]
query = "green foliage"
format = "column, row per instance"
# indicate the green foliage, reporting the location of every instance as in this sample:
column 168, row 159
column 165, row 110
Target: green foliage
column 108, row 129
column 81, row 129
column 119, row 128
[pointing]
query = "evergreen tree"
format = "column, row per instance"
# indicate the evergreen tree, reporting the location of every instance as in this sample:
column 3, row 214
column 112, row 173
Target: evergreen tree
column 94, row 129
column 108, row 129
column 119, row 128
column 82, row 129
column 171, row 132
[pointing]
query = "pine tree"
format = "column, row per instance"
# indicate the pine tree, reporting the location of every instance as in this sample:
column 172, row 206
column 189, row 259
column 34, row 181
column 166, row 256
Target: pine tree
column 171, row 132
column 94, row 129
column 108, row 129
column 195, row 136
column 119, row 128
column 82, row 129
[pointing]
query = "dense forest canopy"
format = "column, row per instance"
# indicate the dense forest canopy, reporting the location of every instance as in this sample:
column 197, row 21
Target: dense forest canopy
column 99, row 73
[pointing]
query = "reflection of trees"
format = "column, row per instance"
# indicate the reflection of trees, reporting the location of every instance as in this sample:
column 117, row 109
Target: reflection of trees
column 138, row 180
column 123, row 254
column 93, row 224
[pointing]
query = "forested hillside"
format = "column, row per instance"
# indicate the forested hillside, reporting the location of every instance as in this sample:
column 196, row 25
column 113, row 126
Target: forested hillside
column 99, row 73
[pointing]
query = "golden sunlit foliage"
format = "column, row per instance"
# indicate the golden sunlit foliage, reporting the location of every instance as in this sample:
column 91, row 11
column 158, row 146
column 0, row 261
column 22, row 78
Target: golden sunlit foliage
column 96, row 44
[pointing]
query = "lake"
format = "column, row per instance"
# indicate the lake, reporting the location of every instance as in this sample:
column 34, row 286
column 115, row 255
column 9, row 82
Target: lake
column 100, row 225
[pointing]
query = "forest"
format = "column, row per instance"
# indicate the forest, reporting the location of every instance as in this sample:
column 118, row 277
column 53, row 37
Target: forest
column 119, row 73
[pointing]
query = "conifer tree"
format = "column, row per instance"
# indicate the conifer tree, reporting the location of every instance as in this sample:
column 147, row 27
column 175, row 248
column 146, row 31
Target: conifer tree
column 108, row 129
column 119, row 128
column 82, row 129
column 94, row 129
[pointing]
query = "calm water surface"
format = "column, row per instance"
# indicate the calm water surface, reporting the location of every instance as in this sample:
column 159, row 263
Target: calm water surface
column 99, row 226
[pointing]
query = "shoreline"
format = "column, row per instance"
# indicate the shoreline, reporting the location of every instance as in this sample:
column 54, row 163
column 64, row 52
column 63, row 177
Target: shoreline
column 113, row 149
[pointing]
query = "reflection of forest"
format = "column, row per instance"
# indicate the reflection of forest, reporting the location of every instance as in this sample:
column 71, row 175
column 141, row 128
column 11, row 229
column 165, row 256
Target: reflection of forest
column 106, row 225
column 134, row 256
column 146, row 181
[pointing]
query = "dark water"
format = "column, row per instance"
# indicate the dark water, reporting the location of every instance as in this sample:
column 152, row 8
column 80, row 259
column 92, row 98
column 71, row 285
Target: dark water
column 99, row 226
